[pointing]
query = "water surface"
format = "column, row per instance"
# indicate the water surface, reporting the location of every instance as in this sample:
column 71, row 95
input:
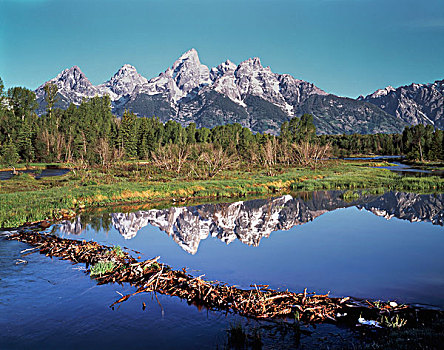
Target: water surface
column 386, row 246
column 8, row 174
column 401, row 168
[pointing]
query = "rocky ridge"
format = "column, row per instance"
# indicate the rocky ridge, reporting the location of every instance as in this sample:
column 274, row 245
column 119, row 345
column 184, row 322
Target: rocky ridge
column 414, row 103
column 248, row 93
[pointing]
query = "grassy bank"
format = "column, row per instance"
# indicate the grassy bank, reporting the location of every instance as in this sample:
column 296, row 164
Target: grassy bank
column 25, row 199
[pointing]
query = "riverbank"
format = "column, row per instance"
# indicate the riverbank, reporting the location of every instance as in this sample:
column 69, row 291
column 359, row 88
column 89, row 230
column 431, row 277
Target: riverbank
column 25, row 199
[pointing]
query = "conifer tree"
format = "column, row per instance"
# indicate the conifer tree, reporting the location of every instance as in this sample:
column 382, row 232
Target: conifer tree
column 10, row 156
column 128, row 134
column 50, row 98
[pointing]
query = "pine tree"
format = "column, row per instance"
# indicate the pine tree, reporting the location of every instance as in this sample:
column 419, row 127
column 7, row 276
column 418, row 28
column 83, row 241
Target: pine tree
column 128, row 134
column 10, row 156
column 24, row 141
column 50, row 98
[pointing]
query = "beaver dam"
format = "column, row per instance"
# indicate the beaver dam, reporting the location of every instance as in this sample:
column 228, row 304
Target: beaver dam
column 113, row 265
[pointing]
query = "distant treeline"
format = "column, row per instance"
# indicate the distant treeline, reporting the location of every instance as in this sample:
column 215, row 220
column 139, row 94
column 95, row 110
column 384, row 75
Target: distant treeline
column 417, row 142
column 90, row 133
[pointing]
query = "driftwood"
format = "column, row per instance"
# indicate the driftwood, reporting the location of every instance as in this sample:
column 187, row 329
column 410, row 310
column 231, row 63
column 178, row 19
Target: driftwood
column 258, row 302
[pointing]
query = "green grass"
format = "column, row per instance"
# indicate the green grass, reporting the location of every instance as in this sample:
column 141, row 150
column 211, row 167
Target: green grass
column 25, row 199
column 102, row 267
column 117, row 251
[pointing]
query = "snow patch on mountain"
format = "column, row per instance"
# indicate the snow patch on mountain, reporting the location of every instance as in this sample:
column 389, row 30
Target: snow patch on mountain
column 383, row 92
column 123, row 83
column 414, row 103
column 184, row 80
column 72, row 84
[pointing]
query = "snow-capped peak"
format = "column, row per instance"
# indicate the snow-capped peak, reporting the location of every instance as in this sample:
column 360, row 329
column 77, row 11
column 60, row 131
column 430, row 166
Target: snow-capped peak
column 253, row 64
column 382, row 92
column 123, row 83
column 182, row 79
column 189, row 73
column 72, row 84
column 187, row 78
column 71, row 78
column 190, row 55
column 253, row 79
column 227, row 67
column 127, row 67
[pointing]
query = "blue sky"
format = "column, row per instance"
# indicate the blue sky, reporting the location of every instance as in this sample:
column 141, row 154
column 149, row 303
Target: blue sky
column 346, row 47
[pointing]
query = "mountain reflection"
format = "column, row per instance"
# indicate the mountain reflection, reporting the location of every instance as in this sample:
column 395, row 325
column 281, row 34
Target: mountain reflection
column 250, row 221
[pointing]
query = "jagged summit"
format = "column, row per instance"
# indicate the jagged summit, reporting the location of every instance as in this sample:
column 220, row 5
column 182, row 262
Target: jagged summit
column 70, row 77
column 222, row 69
column 181, row 80
column 414, row 103
column 252, row 63
column 382, row 92
column 123, row 83
column 252, row 95
column 127, row 66
column 72, row 84
column 189, row 73
column 191, row 54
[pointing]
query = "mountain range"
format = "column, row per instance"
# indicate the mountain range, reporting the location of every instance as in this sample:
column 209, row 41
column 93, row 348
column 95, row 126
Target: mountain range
column 250, row 221
column 251, row 95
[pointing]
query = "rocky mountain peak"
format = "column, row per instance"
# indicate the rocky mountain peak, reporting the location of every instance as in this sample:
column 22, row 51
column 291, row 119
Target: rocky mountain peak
column 227, row 67
column 414, row 103
column 382, row 92
column 439, row 84
column 72, row 84
column 191, row 55
column 127, row 67
column 123, row 83
column 228, row 63
column 182, row 79
column 252, row 64
column 71, row 78
column 189, row 73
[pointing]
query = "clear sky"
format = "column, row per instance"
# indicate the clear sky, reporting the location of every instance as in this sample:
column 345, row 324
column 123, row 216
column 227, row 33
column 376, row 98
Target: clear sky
column 346, row 47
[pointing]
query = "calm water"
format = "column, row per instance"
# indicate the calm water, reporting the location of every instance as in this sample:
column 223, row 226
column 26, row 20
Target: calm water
column 7, row 174
column 380, row 247
column 403, row 169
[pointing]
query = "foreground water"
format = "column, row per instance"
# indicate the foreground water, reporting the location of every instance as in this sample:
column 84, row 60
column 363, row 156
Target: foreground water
column 385, row 247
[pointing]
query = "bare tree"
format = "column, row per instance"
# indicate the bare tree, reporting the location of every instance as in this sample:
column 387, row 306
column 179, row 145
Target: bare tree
column 310, row 154
column 215, row 160
column 161, row 158
column 268, row 155
column 180, row 154
column 171, row 157
column 284, row 152
column 103, row 149
column 59, row 146
column 68, row 150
